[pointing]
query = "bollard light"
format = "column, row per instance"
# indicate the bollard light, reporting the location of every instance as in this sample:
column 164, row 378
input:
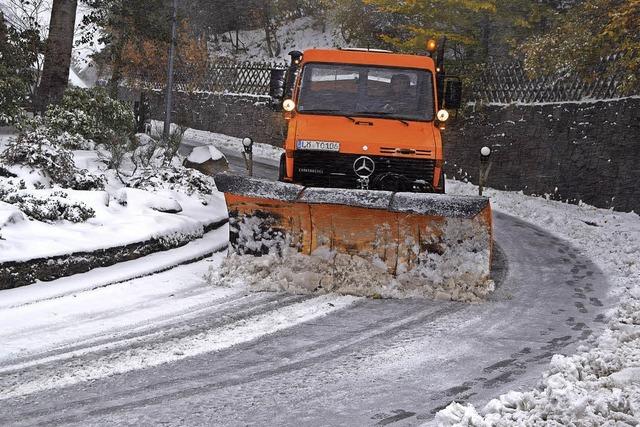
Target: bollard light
column 247, row 143
column 443, row 115
column 288, row 105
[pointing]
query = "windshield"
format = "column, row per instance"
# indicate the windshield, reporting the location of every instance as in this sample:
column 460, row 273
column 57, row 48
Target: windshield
column 367, row 91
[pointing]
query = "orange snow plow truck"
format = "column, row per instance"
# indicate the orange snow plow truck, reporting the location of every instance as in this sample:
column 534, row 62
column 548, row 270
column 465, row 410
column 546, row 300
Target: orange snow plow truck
column 362, row 171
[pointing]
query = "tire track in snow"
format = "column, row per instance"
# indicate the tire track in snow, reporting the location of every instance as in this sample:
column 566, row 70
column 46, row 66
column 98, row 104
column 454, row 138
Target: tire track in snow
column 344, row 342
column 148, row 354
column 238, row 303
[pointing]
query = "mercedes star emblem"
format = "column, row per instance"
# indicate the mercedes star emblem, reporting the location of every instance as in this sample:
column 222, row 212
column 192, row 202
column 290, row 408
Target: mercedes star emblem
column 364, row 166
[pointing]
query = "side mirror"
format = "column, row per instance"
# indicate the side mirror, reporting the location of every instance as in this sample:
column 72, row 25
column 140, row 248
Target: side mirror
column 452, row 93
column 276, row 87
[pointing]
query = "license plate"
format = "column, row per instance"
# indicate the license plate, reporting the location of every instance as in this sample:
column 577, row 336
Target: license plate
column 318, row 145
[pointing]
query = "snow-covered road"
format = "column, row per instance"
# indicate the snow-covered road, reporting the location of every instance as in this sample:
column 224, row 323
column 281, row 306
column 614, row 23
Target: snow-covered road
column 171, row 349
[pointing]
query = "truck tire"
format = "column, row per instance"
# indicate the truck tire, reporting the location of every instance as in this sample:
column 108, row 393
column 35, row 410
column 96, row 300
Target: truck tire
column 283, row 168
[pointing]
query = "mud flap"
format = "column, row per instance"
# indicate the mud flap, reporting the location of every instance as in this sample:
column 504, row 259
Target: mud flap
column 401, row 231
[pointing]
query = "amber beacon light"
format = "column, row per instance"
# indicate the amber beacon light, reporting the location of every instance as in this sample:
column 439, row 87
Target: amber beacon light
column 431, row 45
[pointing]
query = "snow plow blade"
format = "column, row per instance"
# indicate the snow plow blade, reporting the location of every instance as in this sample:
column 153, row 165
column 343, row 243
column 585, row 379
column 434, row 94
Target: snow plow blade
column 401, row 230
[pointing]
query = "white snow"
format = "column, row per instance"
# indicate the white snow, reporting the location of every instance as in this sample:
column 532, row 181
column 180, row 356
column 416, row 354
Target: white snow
column 9, row 214
column 130, row 307
column 599, row 385
column 460, row 272
column 135, row 198
column 204, row 153
column 75, row 80
column 100, row 277
column 122, row 215
column 230, row 145
column 299, row 34
column 114, row 224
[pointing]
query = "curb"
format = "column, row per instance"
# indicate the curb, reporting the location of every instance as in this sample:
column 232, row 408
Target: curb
column 14, row 274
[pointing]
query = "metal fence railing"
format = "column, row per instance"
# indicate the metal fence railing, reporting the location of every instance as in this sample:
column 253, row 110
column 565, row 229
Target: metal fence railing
column 226, row 76
column 502, row 83
column 508, row 83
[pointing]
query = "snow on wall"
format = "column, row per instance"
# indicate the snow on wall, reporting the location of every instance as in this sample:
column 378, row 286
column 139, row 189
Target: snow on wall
column 600, row 385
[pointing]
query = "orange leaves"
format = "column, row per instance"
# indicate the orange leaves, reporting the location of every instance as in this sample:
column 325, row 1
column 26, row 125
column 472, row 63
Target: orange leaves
column 145, row 60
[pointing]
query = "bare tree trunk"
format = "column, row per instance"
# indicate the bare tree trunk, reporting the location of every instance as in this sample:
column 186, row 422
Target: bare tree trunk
column 57, row 60
column 266, row 22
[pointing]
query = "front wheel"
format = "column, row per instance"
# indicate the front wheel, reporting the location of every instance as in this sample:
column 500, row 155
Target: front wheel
column 282, row 171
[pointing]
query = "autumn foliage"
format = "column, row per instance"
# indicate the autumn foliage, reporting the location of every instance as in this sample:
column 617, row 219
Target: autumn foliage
column 596, row 39
column 145, row 60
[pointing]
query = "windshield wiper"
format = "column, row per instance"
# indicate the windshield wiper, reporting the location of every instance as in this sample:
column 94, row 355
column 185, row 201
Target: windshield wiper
column 383, row 115
column 329, row 110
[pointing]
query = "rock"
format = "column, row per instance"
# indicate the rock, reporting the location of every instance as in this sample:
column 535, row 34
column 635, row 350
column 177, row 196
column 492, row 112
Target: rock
column 207, row 160
column 9, row 214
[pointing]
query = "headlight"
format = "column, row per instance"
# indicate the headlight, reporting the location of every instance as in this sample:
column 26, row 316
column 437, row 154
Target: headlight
column 443, row 115
column 288, row 105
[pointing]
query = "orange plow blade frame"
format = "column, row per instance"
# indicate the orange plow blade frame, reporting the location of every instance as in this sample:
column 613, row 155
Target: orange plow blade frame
column 397, row 229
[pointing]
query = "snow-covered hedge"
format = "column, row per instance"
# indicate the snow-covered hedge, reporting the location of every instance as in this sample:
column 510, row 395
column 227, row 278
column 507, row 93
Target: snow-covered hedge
column 50, row 208
column 176, row 178
column 36, row 149
column 91, row 114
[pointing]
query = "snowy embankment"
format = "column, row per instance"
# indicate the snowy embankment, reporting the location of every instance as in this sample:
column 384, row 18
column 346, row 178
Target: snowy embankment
column 599, row 385
column 299, row 34
column 121, row 216
column 229, row 145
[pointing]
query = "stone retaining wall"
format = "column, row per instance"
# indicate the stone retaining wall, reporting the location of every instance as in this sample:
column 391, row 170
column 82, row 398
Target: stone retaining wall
column 233, row 115
column 21, row 273
column 573, row 152
column 587, row 152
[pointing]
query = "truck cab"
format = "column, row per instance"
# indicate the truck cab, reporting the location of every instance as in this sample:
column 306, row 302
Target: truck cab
column 364, row 119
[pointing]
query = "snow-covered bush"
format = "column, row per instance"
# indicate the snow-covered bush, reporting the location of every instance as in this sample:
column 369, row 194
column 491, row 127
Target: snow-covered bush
column 35, row 148
column 55, row 207
column 92, row 114
column 74, row 141
column 177, row 178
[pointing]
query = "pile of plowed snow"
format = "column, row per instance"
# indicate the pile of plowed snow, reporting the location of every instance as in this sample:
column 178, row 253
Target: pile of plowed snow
column 599, row 385
column 460, row 272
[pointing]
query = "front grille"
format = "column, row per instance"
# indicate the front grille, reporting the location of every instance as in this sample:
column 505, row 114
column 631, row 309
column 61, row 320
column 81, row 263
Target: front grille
column 335, row 170
column 393, row 150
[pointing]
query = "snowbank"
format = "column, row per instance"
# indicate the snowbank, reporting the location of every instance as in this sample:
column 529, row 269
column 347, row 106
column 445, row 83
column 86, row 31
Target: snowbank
column 598, row 386
column 228, row 144
column 119, row 216
column 458, row 270
column 114, row 224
